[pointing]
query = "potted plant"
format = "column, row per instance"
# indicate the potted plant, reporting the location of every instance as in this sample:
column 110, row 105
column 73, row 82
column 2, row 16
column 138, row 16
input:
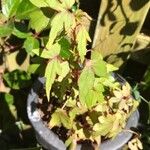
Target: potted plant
column 81, row 101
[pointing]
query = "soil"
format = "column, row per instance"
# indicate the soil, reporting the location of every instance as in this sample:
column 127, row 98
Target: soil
column 46, row 109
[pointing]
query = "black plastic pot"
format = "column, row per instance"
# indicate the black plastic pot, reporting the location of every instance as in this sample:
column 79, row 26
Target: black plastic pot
column 51, row 141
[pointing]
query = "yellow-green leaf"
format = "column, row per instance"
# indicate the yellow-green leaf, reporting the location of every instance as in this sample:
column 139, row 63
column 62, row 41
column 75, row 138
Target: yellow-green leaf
column 54, row 4
column 85, row 83
column 63, row 20
column 55, row 120
column 30, row 43
column 111, row 68
column 64, row 70
column 91, row 98
column 9, row 7
column 68, row 3
column 105, row 125
column 96, row 55
column 5, row 30
column 50, row 74
column 98, row 86
column 63, row 118
column 51, row 53
column 76, row 111
column 82, row 38
column 99, row 67
column 38, row 21
column 39, row 3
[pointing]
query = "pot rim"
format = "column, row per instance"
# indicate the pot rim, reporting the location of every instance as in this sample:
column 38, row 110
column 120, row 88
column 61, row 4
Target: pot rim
column 52, row 140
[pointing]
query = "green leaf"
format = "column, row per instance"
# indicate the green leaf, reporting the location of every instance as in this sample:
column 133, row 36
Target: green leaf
column 82, row 38
column 54, row 4
column 33, row 68
column 96, row 55
column 109, row 82
column 5, row 30
column 69, row 20
column 20, row 34
column 55, row 120
column 17, row 79
column 85, row 83
column 98, row 86
column 65, row 120
column 50, row 74
column 60, row 21
column 65, row 48
column 30, row 44
column 64, row 70
column 69, row 141
column 111, row 68
column 99, row 67
column 51, row 53
column 68, row 3
column 55, row 28
column 60, row 117
column 9, row 98
column 38, row 21
column 25, row 9
column 76, row 111
column 91, row 98
column 9, row 7
column 38, row 66
column 40, row 3
column 105, row 125
column 71, row 102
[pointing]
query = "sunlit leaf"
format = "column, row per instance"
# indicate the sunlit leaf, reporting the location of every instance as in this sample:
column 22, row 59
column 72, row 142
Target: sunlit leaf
column 56, row 28
column 105, row 125
column 38, row 66
column 96, row 55
column 5, row 30
column 20, row 34
column 33, row 68
column 76, row 111
column 98, row 86
column 39, row 3
column 9, row 7
column 30, row 44
column 84, row 86
column 24, row 9
column 65, row 19
column 65, row 120
column 69, row 141
column 135, row 144
column 64, row 70
column 38, row 21
column 91, row 98
column 111, row 68
column 55, row 120
column 71, row 103
column 54, row 4
column 109, row 83
column 51, row 53
column 68, row 3
column 99, row 67
column 82, row 38
column 50, row 74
